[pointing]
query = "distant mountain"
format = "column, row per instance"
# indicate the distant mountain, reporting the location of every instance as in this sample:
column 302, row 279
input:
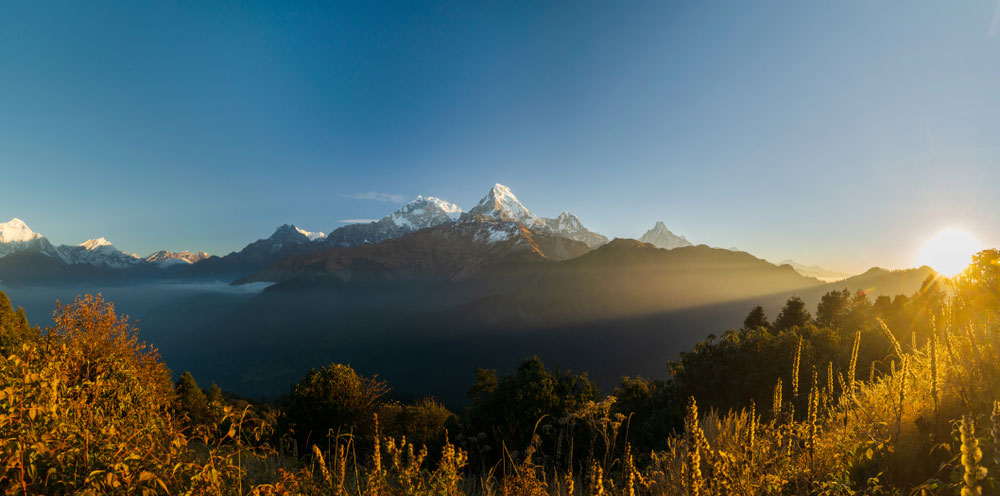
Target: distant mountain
column 287, row 240
column 661, row 237
column 498, row 227
column 816, row 271
column 569, row 226
column 500, row 203
column 627, row 278
column 449, row 251
column 878, row 281
column 164, row 258
column 16, row 236
column 419, row 214
column 99, row 253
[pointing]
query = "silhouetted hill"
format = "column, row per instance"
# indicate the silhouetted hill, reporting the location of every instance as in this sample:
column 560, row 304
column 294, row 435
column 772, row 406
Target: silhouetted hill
column 628, row 278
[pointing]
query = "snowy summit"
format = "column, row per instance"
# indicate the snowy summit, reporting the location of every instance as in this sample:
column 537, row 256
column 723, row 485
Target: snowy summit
column 16, row 231
column 501, row 204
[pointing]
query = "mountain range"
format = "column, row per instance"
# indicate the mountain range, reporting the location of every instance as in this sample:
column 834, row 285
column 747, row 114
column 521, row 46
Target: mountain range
column 460, row 288
column 499, row 208
column 497, row 229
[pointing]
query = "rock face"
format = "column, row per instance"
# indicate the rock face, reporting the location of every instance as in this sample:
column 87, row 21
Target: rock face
column 661, row 237
column 419, row 214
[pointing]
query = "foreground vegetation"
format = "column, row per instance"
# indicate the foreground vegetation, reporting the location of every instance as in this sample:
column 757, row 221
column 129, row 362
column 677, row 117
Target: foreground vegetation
column 892, row 396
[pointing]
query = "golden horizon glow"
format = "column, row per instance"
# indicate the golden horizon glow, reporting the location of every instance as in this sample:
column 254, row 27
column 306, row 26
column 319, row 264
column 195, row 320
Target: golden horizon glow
column 949, row 252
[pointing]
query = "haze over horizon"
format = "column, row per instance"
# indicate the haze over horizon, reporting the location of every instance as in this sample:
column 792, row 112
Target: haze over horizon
column 841, row 134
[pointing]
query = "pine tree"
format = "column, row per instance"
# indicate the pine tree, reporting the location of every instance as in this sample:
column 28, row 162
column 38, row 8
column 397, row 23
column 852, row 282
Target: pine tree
column 793, row 315
column 14, row 328
column 214, row 394
column 833, row 309
column 191, row 399
column 756, row 319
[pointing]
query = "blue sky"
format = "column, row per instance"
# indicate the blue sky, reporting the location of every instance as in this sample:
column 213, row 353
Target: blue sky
column 838, row 133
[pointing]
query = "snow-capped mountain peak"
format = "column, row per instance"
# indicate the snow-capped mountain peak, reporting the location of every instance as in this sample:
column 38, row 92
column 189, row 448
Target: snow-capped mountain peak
column 661, row 237
column 93, row 244
column 165, row 258
column 99, row 252
column 16, row 231
column 569, row 226
column 313, row 236
column 453, row 211
column 421, row 213
column 16, row 236
column 501, row 203
column 425, row 211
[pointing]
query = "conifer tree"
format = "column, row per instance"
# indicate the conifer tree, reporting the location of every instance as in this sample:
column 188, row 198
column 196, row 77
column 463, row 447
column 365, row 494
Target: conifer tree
column 14, row 328
column 191, row 399
column 214, row 394
column 756, row 319
column 794, row 314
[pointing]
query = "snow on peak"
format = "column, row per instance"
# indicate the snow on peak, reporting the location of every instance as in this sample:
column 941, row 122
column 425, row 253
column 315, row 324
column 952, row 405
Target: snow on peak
column 165, row 258
column 313, row 236
column 93, row 244
column 97, row 252
column 569, row 226
column 661, row 237
column 290, row 233
column 501, row 203
column 450, row 209
column 425, row 211
column 15, row 230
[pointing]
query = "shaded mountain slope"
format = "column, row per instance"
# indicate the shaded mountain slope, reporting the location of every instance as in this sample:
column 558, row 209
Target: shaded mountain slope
column 628, row 278
column 452, row 251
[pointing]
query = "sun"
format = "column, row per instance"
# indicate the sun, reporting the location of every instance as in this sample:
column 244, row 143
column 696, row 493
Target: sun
column 949, row 252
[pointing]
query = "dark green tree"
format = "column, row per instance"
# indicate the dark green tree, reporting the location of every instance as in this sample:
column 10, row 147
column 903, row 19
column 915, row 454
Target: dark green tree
column 191, row 399
column 214, row 395
column 794, row 314
column 756, row 319
column 653, row 408
column 14, row 328
column 833, row 309
column 510, row 406
column 860, row 313
column 334, row 398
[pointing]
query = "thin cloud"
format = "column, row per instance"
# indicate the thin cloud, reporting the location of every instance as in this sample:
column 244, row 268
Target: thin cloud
column 356, row 221
column 383, row 197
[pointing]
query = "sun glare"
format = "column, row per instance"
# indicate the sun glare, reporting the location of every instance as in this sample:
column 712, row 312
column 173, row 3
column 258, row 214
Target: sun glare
column 949, row 252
